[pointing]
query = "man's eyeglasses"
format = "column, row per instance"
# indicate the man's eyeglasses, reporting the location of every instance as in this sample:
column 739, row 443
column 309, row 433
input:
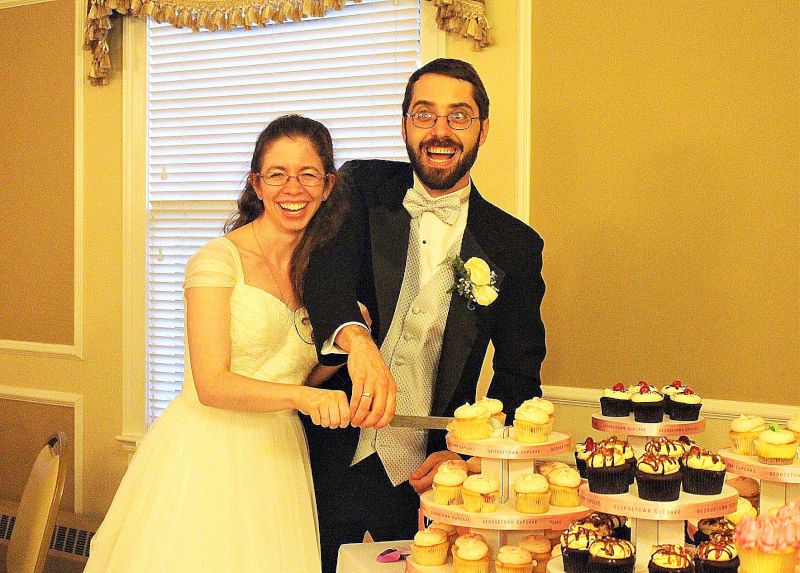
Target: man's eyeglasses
column 279, row 178
column 456, row 120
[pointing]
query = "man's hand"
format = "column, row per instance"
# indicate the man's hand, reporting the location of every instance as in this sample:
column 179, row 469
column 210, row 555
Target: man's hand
column 374, row 391
column 422, row 478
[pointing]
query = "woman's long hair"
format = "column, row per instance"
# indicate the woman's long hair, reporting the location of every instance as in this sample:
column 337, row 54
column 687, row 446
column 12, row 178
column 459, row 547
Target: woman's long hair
column 328, row 218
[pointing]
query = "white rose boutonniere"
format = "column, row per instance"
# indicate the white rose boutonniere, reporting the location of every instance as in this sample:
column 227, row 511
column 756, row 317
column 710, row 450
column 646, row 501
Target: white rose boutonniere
column 475, row 281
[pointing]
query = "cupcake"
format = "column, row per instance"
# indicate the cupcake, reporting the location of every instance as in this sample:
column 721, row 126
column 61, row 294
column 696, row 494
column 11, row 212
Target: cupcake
column 473, row 465
column 533, row 494
column 669, row 559
column 619, row 526
column 471, row 556
column 713, row 526
column 481, row 494
column 430, row 547
column 636, row 388
column 463, row 538
column 546, row 467
column 609, row 555
column 793, row 425
column 471, row 422
column 542, row 404
column 658, row 478
column 765, row 545
column 685, row 443
column 685, row 405
column 532, row 425
column 513, row 559
column 447, row 482
column 494, row 407
column 607, row 471
column 597, row 522
column 703, row 472
column 575, row 543
column 624, row 448
column 748, row 489
column 743, row 509
column 743, row 432
column 776, row 446
column 450, row 530
column 664, row 447
column 615, row 402
column 718, row 555
column 582, row 452
column 648, row 405
column 667, row 391
column 539, row 548
column 564, row 484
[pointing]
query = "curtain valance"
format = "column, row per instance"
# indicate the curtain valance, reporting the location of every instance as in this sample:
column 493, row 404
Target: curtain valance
column 465, row 17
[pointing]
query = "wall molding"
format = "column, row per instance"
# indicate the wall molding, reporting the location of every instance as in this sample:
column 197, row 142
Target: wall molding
column 524, row 99
column 54, row 398
column 15, row 3
column 712, row 409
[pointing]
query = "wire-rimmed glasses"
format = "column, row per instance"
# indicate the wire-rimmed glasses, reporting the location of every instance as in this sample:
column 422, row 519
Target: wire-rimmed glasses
column 457, row 120
column 306, row 179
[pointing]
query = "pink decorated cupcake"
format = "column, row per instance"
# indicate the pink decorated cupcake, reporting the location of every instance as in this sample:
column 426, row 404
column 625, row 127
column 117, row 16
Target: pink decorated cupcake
column 766, row 545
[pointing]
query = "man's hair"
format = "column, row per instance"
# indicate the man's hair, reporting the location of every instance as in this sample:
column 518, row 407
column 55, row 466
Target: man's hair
column 454, row 69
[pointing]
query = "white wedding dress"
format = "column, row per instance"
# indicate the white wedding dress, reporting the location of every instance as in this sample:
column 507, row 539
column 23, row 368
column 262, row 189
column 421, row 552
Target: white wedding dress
column 212, row 490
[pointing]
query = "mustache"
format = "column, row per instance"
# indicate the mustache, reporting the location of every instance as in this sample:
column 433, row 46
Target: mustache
column 441, row 143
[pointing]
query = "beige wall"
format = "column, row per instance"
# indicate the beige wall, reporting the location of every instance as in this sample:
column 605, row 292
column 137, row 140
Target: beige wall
column 666, row 183
column 36, row 187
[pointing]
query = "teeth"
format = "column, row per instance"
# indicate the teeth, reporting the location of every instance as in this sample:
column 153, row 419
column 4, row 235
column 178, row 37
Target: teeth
column 443, row 150
column 292, row 206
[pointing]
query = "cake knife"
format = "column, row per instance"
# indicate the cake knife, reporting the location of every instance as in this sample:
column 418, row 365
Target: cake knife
column 420, row 422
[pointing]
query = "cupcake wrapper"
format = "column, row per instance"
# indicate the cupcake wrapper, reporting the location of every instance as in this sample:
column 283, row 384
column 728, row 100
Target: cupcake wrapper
column 534, row 503
column 610, row 480
column 703, row 482
column 561, row 496
column 667, row 405
column 614, row 408
column 580, row 465
column 477, row 429
column 479, row 502
column 776, row 461
column 431, row 555
column 649, row 412
column 744, row 443
column 575, row 560
column 758, row 562
column 659, row 487
column 513, row 568
column 684, row 412
column 464, row 566
column 704, row 566
column 447, row 494
column 631, row 464
column 532, row 433
column 603, row 565
column 653, row 568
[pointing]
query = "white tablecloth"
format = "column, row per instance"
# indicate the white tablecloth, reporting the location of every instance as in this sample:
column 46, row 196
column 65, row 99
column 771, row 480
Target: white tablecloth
column 360, row 557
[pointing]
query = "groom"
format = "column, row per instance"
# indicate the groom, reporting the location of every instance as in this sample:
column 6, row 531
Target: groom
column 424, row 351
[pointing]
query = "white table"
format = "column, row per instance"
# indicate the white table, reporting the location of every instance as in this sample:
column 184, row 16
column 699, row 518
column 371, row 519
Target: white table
column 360, row 557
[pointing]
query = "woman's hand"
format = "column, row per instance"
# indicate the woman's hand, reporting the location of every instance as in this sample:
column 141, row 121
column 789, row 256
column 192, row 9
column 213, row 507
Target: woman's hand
column 327, row 408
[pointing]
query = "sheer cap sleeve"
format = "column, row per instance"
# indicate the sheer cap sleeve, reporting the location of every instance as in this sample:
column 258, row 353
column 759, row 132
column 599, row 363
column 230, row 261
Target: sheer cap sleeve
column 214, row 265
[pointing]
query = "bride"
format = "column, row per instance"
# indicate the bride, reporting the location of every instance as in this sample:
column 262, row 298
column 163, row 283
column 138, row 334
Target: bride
column 221, row 482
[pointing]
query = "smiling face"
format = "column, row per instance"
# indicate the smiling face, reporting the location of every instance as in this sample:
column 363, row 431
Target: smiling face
column 288, row 208
column 441, row 156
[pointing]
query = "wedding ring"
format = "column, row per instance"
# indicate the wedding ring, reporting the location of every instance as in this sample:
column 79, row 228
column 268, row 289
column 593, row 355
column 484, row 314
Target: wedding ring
column 366, row 394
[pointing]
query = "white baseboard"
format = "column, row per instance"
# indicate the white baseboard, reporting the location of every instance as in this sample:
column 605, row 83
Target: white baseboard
column 712, row 409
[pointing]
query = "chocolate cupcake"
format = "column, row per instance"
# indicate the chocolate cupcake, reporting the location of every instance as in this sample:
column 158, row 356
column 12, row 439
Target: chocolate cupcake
column 658, row 478
column 669, row 559
column 575, row 543
column 648, row 405
column 667, row 391
column 713, row 526
column 685, row 405
column 582, row 451
column 626, row 450
column 597, row 522
column 609, row 555
column 717, row 555
column 616, row 402
column 607, row 471
column 703, row 472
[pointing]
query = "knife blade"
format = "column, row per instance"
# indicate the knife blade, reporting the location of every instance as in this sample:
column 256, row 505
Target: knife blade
column 421, row 422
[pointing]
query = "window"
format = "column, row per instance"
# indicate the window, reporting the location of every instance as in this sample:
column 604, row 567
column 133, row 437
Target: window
column 208, row 97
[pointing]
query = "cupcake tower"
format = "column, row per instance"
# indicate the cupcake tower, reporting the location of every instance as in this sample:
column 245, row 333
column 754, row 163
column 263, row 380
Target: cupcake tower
column 768, row 453
column 509, row 499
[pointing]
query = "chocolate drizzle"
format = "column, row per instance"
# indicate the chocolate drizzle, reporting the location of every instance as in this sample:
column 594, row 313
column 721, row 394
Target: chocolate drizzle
column 663, row 446
column 673, row 554
column 612, row 548
column 658, row 463
column 718, row 548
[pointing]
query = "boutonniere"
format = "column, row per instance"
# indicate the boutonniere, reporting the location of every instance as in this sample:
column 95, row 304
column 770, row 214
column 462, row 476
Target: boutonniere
column 475, row 281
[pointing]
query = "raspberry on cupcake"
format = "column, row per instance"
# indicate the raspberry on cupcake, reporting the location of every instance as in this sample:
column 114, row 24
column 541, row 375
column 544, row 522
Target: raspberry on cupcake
column 615, row 402
column 582, row 451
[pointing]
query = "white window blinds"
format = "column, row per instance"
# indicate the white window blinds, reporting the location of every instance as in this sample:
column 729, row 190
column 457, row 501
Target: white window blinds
column 209, row 96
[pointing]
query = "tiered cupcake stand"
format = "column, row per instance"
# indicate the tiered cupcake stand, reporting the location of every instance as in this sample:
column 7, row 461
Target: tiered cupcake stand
column 779, row 484
column 504, row 459
column 652, row 522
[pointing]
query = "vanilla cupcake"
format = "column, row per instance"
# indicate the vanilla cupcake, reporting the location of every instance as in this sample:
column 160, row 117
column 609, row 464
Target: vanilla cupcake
column 513, row 559
column 564, row 484
column 743, row 432
column 450, row 530
column 471, row 556
column 793, row 425
column 430, row 547
column 533, row 493
column 495, row 408
column 776, row 446
column 481, row 494
column 532, row 425
column 463, row 538
column 545, row 405
column 471, row 422
column 447, row 482
column 545, row 468
column 540, row 549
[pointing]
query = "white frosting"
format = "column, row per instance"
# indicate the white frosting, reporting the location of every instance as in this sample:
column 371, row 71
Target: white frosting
column 429, row 537
column 616, row 394
column 777, row 437
column 687, row 398
column 545, row 405
column 450, row 473
column 531, row 483
column 565, row 477
column 513, row 555
column 482, row 484
column 651, row 396
column 472, row 549
column 748, row 424
column 471, row 412
column 493, row 405
column 532, row 414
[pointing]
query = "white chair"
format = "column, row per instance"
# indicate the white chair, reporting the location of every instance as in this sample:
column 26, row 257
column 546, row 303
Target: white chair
column 36, row 515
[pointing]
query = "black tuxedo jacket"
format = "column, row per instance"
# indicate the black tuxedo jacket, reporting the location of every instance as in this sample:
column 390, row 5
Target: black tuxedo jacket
column 366, row 262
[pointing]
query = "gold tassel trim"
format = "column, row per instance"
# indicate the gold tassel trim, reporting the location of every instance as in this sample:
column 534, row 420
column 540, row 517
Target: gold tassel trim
column 464, row 17
column 210, row 15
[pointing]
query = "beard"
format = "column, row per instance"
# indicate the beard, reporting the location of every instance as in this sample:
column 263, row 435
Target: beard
column 441, row 179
